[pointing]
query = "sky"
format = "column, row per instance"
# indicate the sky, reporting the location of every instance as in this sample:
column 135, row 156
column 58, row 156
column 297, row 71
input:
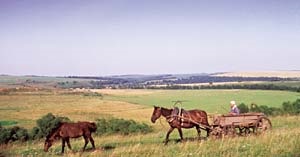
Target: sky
column 116, row 37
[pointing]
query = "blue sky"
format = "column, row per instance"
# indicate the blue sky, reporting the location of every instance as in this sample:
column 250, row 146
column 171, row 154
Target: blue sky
column 60, row 38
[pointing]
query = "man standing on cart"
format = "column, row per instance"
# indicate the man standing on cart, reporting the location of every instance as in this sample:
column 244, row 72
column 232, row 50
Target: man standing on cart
column 234, row 109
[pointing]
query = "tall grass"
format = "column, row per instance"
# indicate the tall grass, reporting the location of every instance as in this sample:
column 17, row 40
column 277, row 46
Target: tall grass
column 282, row 140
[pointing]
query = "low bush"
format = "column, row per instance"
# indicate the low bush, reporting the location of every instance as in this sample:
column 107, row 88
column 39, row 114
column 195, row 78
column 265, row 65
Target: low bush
column 243, row 108
column 292, row 108
column 93, row 94
column 46, row 124
column 287, row 108
column 120, row 126
column 36, row 133
column 4, row 135
column 43, row 128
column 13, row 134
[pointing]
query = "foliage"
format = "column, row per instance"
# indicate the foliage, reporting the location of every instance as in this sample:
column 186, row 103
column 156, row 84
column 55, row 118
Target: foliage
column 35, row 133
column 290, row 108
column 261, row 86
column 93, row 94
column 243, row 108
column 4, row 135
column 43, row 128
column 120, row 126
column 46, row 124
column 13, row 134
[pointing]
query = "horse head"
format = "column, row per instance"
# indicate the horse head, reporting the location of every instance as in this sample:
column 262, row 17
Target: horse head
column 48, row 143
column 51, row 137
column 156, row 114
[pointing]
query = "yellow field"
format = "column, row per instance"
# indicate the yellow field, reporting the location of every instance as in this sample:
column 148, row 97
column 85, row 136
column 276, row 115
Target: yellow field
column 26, row 109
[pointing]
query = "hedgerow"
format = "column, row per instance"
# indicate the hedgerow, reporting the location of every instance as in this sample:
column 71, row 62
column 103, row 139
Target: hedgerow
column 287, row 108
column 120, row 126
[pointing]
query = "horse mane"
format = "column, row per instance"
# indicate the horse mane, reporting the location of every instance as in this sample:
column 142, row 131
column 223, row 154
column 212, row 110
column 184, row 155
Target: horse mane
column 54, row 130
column 166, row 111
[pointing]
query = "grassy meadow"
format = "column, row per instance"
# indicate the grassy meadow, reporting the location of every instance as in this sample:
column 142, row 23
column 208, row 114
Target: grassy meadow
column 24, row 108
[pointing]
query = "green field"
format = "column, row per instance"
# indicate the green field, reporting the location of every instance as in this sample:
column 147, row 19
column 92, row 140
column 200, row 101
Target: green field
column 213, row 101
column 25, row 108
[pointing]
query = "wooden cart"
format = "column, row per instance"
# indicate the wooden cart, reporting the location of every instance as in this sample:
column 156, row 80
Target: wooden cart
column 242, row 124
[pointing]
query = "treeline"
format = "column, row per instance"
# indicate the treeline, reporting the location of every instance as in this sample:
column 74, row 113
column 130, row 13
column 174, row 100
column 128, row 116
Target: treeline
column 208, row 79
column 120, row 82
column 48, row 122
column 287, row 108
column 230, row 86
column 260, row 86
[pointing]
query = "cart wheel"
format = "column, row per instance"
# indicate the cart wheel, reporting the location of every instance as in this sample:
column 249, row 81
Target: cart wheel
column 244, row 131
column 230, row 131
column 263, row 124
column 217, row 132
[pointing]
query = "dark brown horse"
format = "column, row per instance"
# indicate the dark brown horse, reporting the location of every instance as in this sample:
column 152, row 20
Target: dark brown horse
column 182, row 119
column 65, row 131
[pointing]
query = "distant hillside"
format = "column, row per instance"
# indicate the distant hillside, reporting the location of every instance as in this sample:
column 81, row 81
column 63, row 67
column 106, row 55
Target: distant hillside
column 280, row 74
column 140, row 81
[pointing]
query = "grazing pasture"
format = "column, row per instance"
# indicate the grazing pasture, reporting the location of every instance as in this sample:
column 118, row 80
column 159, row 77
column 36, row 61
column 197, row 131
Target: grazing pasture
column 25, row 108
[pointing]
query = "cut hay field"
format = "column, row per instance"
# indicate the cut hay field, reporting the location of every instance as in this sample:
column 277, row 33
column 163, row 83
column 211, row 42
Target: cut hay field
column 26, row 108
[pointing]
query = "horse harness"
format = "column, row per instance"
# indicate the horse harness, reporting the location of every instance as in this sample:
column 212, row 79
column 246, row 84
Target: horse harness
column 178, row 114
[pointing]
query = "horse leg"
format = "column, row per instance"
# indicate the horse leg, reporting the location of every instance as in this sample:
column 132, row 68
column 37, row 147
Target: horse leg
column 207, row 132
column 198, row 131
column 180, row 133
column 86, row 141
column 167, row 137
column 63, row 145
column 92, row 141
column 68, row 143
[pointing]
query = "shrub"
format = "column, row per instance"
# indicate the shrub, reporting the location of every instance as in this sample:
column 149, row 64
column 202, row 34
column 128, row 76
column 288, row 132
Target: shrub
column 296, row 106
column 93, row 94
column 19, row 134
column 265, row 109
column 35, row 133
column 46, row 124
column 13, row 134
column 4, row 135
column 120, row 126
column 291, row 108
column 243, row 108
column 254, row 108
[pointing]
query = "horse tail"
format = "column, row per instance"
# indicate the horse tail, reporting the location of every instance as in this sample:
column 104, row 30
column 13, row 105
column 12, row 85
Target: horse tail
column 92, row 126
